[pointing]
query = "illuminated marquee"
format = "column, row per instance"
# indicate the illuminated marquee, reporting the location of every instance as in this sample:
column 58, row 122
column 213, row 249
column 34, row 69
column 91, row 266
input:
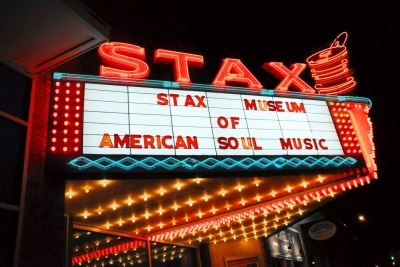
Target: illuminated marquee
column 100, row 122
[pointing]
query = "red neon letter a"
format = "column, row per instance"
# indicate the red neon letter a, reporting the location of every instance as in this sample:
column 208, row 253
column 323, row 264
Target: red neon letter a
column 288, row 77
column 124, row 60
column 182, row 62
column 234, row 72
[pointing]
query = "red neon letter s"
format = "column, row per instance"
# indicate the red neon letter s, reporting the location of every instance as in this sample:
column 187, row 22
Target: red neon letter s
column 288, row 77
column 233, row 71
column 124, row 60
column 182, row 62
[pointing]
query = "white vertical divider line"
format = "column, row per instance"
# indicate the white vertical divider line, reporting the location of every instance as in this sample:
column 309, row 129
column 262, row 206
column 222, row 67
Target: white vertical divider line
column 247, row 125
column 309, row 125
column 212, row 130
column 280, row 126
column 172, row 123
column 129, row 123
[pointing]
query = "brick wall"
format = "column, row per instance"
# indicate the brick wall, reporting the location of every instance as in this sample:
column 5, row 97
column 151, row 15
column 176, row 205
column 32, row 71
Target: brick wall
column 37, row 152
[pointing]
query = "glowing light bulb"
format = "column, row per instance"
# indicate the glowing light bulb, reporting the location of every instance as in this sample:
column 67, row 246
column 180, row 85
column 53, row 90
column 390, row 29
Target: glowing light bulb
column 178, row 186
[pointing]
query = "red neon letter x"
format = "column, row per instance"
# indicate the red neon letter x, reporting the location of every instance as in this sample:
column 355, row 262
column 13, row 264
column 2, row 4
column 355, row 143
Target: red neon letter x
column 288, row 77
column 182, row 62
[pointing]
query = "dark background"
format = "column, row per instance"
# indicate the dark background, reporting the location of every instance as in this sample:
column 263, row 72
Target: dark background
column 288, row 32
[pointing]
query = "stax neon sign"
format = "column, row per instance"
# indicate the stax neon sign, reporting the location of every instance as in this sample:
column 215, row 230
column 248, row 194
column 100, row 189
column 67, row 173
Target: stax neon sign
column 127, row 61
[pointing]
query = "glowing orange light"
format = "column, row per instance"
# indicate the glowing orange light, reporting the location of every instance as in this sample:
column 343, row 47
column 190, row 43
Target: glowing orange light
column 68, row 84
column 53, row 139
column 234, row 72
column 57, row 83
column 65, row 149
column 76, row 123
column 53, row 148
column 76, row 140
column 75, row 149
column 54, row 131
column 76, row 132
column 289, row 77
column 78, row 85
column 67, row 99
column 65, row 123
column 329, row 69
column 124, row 60
column 182, row 62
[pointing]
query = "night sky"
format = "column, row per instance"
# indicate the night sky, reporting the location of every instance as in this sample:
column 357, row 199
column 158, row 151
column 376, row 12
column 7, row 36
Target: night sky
column 289, row 32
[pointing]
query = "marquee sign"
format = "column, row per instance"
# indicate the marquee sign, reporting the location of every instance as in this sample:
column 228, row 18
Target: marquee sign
column 144, row 121
column 135, row 125
column 329, row 68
